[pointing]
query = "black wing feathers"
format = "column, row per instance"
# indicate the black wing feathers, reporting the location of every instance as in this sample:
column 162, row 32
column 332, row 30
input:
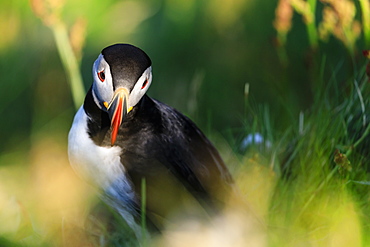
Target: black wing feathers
column 168, row 150
column 158, row 140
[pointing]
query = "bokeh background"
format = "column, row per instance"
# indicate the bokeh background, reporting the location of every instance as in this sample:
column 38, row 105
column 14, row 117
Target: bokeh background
column 203, row 53
column 209, row 58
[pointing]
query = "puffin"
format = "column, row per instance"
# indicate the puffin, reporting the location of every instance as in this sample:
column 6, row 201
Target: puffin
column 124, row 143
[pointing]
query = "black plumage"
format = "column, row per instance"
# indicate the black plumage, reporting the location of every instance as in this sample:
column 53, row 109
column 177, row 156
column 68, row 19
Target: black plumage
column 158, row 141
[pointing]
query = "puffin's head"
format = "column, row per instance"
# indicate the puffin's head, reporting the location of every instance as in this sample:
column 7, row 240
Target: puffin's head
column 122, row 74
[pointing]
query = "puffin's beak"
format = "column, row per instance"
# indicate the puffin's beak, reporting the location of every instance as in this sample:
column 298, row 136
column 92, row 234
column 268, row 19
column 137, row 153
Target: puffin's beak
column 117, row 110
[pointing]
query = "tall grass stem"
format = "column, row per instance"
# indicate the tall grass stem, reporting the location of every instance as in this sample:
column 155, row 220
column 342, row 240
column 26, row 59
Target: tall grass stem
column 143, row 211
column 69, row 62
column 311, row 26
column 365, row 10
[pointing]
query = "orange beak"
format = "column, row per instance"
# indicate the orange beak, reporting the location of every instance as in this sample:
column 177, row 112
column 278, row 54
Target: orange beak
column 117, row 110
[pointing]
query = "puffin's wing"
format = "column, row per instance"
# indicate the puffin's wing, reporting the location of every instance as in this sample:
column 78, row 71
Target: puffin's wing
column 192, row 158
column 177, row 161
column 204, row 162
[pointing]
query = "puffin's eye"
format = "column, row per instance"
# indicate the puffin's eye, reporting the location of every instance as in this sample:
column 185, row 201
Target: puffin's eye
column 101, row 75
column 144, row 84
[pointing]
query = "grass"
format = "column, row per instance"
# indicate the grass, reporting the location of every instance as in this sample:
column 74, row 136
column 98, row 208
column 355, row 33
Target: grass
column 295, row 186
column 307, row 182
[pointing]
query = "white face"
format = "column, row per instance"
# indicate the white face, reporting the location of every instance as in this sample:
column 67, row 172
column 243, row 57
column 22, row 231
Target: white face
column 142, row 85
column 103, row 84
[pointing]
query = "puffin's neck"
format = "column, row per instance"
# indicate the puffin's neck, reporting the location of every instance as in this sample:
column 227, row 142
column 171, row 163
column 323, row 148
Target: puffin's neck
column 98, row 122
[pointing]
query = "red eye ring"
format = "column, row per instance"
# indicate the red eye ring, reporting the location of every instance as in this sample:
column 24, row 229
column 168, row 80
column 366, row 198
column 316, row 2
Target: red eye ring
column 101, row 76
column 144, row 84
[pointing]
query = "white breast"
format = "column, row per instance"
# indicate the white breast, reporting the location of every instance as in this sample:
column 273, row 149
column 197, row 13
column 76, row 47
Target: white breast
column 100, row 166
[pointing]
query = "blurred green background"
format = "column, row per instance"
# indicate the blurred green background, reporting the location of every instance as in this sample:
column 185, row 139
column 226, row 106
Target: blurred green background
column 205, row 54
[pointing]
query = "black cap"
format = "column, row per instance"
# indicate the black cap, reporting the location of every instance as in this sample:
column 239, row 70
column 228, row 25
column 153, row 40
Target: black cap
column 127, row 63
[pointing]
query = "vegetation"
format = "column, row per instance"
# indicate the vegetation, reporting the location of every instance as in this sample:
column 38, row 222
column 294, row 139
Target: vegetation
column 282, row 89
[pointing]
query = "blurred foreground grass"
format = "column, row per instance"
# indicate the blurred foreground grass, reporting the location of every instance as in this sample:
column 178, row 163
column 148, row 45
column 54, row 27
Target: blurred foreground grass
column 292, row 185
column 307, row 180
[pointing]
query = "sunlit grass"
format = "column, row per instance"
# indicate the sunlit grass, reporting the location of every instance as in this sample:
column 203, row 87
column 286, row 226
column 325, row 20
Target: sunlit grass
column 41, row 200
column 293, row 191
column 290, row 196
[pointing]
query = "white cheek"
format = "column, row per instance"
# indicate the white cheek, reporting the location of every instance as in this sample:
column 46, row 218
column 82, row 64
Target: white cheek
column 105, row 88
column 138, row 92
column 102, row 90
